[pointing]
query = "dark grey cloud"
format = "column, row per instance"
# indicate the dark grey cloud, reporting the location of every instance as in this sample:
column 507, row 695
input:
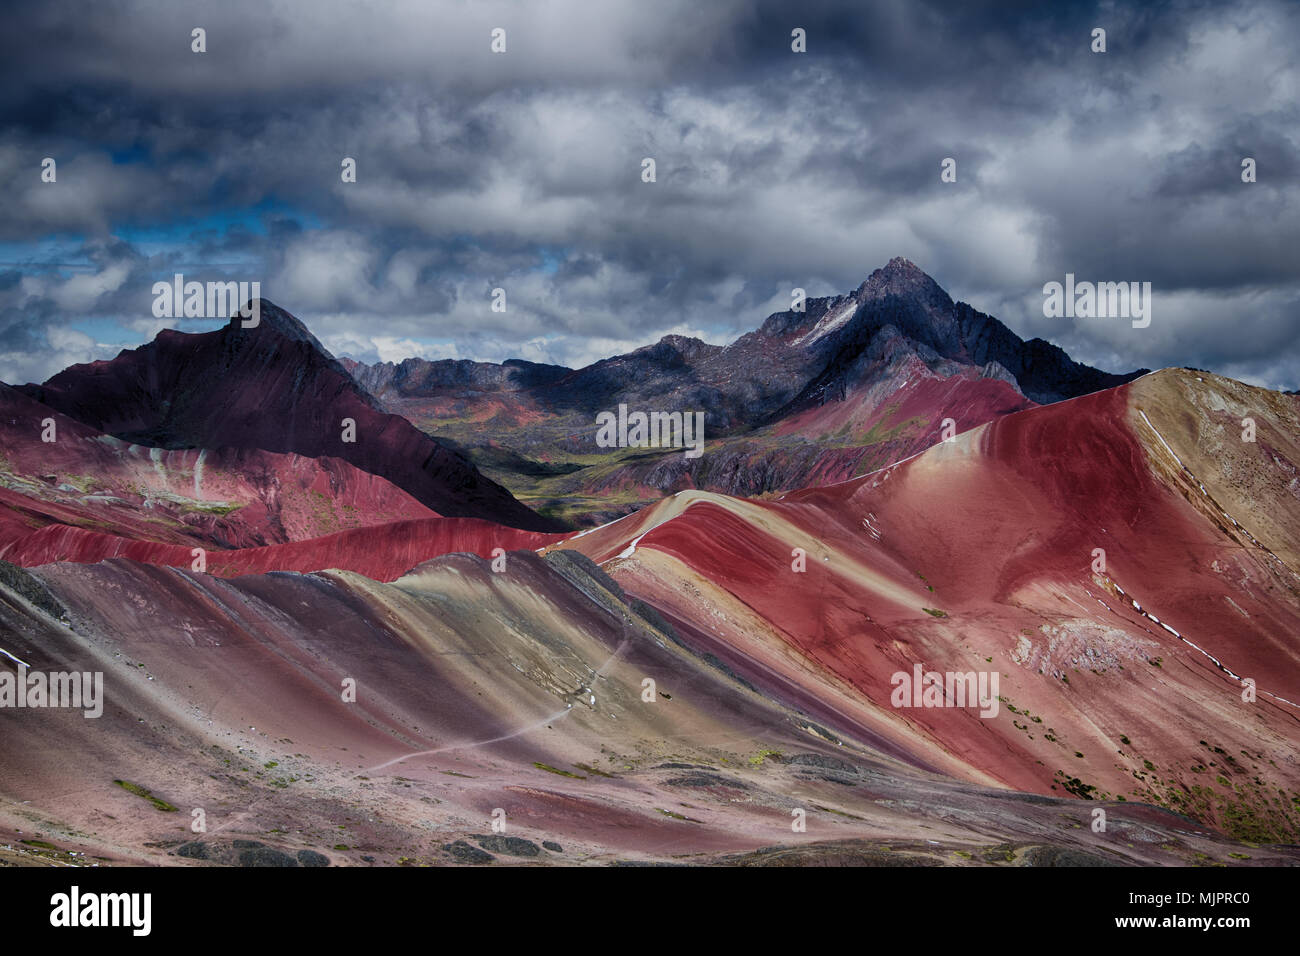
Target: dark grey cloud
column 522, row 171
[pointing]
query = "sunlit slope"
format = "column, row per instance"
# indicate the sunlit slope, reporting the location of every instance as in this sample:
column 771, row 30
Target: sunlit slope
column 979, row 554
column 392, row 723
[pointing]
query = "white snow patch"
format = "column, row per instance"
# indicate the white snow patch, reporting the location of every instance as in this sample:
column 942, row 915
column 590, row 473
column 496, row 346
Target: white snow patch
column 14, row 659
column 631, row 548
column 1161, row 437
column 583, row 534
column 828, row 324
column 198, row 474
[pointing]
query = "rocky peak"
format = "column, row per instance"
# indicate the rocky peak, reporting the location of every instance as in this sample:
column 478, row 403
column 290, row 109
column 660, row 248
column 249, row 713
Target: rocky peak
column 902, row 278
column 273, row 318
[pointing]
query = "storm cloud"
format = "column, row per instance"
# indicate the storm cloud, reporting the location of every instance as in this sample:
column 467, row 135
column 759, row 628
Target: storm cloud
column 522, row 170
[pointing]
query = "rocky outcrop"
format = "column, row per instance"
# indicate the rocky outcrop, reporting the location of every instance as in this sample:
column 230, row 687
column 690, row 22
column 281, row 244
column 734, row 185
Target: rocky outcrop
column 271, row 387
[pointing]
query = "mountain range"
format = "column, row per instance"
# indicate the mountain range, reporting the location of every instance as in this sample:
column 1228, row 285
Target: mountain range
column 360, row 651
column 847, row 385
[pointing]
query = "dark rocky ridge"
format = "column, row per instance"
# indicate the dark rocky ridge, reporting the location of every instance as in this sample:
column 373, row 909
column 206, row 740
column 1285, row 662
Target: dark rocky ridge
column 415, row 376
column 902, row 303
column 272, row 387
column 531, row 426
column 780, row 368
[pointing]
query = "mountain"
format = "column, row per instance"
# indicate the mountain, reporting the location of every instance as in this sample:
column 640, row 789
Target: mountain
column 524, row 687
column 850, row 384
column 1124, row 561
column 274, row 388
column 523, row 691
column 213, row 498
column 902, row 302
column 1119, row 568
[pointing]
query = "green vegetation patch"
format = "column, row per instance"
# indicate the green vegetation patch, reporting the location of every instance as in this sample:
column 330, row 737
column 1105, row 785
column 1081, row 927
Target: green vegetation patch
column 563, row 773
column 144, row 792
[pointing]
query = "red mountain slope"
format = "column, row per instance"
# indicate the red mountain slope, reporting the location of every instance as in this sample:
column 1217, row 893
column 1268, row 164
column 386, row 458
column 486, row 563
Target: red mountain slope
column 272, row 388
column 214, row 498
column 978, row 556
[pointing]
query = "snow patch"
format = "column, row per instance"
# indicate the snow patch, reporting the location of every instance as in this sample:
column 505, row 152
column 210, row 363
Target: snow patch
column 828, row 324
column 198, row 474
column 631, row 548
column 14, row 659
column 1192, row 644
column 1161, row 437
column 583, row 534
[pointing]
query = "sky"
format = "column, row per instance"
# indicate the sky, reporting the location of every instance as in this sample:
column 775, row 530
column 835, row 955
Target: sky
column 523, row 170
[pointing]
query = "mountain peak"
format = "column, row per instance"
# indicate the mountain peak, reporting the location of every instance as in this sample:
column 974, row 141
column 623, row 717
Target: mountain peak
column 901, row 265
column 272, row 316
column 902, row 277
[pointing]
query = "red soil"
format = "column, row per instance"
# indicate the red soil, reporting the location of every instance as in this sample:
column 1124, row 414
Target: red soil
column 996, row 532
column 381, row 553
